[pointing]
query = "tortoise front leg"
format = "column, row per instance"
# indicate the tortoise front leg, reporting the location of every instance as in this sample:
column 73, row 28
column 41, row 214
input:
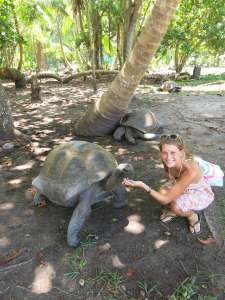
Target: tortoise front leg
column 120, row 197
column 129, row 135
column 38, row 197
column 80, row 214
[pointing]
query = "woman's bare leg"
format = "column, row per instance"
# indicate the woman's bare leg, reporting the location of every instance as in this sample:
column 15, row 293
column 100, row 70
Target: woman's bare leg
column 190, row 215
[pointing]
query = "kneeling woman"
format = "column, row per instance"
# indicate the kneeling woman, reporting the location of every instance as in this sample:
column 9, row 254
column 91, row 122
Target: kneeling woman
column 187, row 190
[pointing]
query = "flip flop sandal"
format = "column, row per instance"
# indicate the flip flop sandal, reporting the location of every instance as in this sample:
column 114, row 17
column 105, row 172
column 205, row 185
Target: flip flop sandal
column 167, row 215
column 192, row 231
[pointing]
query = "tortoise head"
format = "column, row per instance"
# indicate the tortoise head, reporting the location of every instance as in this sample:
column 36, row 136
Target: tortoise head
column 116, row 177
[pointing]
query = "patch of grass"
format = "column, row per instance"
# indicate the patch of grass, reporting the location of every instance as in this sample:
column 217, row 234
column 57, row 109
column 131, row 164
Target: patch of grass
column 112, row 280
column 149, row 166
column 144, row 287
column 184, row 292
column 144, row 100
column 75, row 263
column 209, row 79
column 87, row 243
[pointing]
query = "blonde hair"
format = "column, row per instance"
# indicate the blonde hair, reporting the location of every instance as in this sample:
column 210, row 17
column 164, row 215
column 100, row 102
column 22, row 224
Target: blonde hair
column 179, row 143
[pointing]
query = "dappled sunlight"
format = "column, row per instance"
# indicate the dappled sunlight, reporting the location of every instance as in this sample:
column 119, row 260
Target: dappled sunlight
column 44, row 275
column 137, row 201
column 7, row 206
column 26, row 166
column 159, row 243
column 15, row 181
column 106, row 247
column 4, row 242
column 116, row 262
column 134, row 225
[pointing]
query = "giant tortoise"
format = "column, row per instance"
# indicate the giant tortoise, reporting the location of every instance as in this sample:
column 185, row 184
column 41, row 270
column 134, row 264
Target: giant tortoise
column 170, row 86
column 80, row 174
column 138, row 123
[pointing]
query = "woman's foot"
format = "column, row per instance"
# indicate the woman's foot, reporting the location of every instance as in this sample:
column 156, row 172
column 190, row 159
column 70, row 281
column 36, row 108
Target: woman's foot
column 194, row 224
column 167, row 216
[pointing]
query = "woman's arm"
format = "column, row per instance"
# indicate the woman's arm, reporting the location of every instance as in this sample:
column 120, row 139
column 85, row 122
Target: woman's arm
column 187, row 177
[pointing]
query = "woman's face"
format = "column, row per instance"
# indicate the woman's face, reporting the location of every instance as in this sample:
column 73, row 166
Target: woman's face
column 171, row 155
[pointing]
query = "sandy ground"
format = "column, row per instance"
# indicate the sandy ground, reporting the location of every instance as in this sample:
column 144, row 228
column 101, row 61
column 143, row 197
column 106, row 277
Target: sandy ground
column 160, row 256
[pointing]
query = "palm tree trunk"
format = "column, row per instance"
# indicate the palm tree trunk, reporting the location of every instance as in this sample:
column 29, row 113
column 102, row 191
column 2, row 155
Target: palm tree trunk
column 61, row 45
column 103, row 117
column 20, row 44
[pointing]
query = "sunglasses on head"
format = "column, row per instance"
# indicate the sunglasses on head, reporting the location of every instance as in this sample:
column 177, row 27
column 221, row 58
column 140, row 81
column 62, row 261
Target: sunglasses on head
column 172, row 137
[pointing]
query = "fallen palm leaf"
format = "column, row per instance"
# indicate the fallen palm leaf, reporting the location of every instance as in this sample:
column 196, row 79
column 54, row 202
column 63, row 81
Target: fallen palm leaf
column 12, row 255
column 207, row 241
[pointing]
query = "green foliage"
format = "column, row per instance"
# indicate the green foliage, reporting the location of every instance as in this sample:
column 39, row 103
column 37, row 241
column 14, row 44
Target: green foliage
column 185, row 292
column 195, row 23
column 8, row 34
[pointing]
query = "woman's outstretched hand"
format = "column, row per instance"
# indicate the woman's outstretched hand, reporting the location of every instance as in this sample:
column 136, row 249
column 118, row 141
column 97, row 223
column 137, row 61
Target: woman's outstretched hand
column 130, row 182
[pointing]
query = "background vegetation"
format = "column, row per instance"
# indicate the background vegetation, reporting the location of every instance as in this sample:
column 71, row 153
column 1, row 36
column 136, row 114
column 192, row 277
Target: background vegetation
column 80, row 34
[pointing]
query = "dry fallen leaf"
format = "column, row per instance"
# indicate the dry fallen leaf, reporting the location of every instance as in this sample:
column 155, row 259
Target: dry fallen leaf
column 28, row 179
column 129, row 272
column 138, row 158
column 8, row 163
column 12, row 255
column 40, row 255
column 40, row 214
column 207, row 241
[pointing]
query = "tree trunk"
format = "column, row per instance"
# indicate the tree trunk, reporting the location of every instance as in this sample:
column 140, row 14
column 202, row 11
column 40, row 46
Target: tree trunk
column 6, row 122
column 39, row 55
column 91, row 50
column 103, row 117
column 13, row 74
column 132, row 14
column 20, row 44
column 7, row 129
column 61, row 45
column 118, row 56
column 6, row 58
column 35, row 89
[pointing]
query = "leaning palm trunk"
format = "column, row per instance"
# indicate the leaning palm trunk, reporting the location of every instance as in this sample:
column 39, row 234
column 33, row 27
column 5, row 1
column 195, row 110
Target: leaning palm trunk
column 103, row 117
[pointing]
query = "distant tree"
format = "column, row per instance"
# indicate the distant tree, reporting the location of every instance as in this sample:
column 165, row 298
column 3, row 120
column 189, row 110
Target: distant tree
column 195, row 23
column 9, row 35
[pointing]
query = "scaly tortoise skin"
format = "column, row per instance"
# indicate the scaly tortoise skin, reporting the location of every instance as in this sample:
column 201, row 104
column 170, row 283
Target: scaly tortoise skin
column 80, row 174
column 138, row 123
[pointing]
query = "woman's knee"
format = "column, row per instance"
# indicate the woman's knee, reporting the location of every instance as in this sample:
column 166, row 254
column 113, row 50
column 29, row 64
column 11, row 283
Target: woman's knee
column 175, row 207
